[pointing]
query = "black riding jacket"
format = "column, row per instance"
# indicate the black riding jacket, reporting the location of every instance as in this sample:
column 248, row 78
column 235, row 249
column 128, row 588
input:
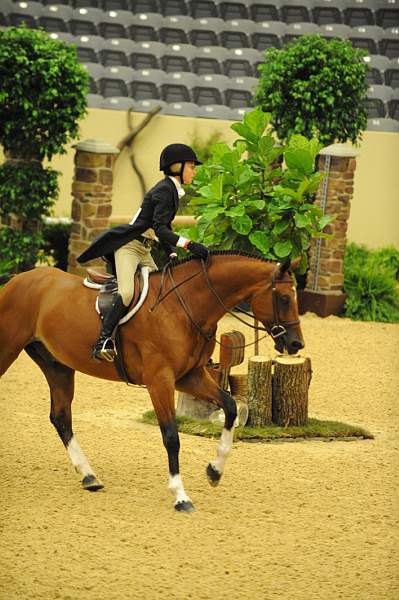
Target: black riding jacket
column 157, row 211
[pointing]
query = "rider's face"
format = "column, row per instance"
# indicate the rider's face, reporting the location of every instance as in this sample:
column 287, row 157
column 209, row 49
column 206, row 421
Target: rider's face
column 188, row 172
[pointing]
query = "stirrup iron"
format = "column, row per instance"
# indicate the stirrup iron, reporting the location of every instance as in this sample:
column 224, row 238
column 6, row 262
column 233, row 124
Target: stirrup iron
column 108, row 353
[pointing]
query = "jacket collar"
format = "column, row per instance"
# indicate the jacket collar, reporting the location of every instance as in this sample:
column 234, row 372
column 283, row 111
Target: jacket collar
column 179, row 188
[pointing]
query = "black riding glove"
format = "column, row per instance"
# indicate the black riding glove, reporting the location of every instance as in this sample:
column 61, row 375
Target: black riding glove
column 198, row 249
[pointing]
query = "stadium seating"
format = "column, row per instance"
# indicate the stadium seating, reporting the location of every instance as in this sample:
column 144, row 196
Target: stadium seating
column 358, row 14
column 201, row 57
column 394, row 105
column 387, row 13
column 326, row 13
column 383, row 125
column 392, row 73
column 376, row 67
column 182, row 109
column 389, row 42
column 366, row 37
column 378, row 98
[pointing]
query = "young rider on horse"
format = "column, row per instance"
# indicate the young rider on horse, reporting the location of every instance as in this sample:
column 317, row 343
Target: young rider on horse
column 130, row 245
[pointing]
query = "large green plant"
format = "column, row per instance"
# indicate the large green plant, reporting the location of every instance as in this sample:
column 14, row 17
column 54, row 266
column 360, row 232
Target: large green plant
column 28, row 190
column 42, row 97
column 247, row 200
column 370, row 282
column 42, row 93
column 315, row 87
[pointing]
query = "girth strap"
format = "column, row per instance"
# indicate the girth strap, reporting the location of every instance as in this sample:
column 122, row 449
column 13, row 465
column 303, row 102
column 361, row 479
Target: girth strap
column 119, row 360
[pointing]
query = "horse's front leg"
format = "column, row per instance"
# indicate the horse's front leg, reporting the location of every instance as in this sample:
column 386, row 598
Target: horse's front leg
column 161, row 389
column 200, row 384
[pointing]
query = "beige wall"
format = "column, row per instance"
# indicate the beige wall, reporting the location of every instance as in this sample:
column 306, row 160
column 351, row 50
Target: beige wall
column 374, row 218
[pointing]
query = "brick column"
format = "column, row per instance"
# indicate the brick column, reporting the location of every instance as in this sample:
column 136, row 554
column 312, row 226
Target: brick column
column 323, row 293
column 92, row 198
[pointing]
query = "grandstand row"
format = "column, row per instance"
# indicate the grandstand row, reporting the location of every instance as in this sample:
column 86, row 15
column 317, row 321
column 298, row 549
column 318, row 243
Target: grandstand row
column 201, row 57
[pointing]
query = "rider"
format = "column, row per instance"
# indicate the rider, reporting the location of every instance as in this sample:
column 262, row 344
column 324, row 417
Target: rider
column 130, row 245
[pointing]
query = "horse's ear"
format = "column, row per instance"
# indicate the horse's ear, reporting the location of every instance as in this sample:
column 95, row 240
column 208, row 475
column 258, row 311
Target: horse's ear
column 283, row 267
column 295, row 263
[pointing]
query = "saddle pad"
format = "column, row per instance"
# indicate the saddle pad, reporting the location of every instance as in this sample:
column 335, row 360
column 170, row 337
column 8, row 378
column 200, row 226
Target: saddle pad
column 110, row 287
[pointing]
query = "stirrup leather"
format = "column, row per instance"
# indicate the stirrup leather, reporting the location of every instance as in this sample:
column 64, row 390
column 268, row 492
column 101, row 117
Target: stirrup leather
column 107, row 350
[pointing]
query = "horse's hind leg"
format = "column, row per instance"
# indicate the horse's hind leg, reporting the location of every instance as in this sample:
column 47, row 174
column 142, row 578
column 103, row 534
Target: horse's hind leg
column 61, row 382
column 200, row 384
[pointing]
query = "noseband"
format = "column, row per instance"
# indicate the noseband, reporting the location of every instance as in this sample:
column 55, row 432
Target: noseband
column 279, row 328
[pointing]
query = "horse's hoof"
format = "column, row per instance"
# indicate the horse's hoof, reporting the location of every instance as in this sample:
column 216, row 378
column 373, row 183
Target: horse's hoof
column 184, row 506
column 213, row 475
column 91, row 483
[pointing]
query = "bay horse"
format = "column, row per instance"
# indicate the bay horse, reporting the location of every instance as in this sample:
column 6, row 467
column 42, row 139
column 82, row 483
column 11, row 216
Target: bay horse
column 166, row 346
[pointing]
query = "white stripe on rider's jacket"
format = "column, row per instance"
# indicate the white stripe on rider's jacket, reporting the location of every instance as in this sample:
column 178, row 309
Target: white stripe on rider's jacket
column 135, row 216
column 181, row 242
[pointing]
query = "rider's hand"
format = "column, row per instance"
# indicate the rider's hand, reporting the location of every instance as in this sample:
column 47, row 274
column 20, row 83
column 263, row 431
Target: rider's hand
column 198, row 249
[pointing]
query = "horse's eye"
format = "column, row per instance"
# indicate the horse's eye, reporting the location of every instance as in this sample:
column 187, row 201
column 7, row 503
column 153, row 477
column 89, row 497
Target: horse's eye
column 285, row 300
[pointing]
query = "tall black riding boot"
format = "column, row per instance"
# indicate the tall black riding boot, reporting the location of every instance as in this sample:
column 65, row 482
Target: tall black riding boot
column 104, row 348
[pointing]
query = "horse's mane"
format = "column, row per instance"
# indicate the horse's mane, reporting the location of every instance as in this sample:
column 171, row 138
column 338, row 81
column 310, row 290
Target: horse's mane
column 220, row 253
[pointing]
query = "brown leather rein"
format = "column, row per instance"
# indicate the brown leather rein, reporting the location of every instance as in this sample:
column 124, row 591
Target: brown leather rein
column 278, row 328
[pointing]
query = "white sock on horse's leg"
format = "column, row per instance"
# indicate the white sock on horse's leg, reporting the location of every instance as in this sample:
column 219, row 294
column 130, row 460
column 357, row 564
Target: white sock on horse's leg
column 224, row 448
column 177, row 488
column 78, row 458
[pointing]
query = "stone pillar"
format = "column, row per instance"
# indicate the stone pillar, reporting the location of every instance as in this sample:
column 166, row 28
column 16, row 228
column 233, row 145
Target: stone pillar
column 92, row 198
column 323, row 293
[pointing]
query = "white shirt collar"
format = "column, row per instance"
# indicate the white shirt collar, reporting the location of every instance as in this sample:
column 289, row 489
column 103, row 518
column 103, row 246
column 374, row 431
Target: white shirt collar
column 180, row 190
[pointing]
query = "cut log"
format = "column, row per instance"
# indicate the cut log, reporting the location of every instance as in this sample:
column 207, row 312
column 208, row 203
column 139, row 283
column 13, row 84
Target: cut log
column 259, row 391
column 231, row 354
column 291, row 379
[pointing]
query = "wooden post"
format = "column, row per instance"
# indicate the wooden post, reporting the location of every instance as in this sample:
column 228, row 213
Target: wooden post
column 291, row 379
column 259, row 391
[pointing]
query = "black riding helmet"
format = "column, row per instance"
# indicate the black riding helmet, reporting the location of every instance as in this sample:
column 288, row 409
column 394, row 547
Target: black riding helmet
column 177, row 153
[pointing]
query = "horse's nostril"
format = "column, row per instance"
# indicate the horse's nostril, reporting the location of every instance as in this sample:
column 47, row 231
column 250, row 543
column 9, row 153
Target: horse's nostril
column 297, row 344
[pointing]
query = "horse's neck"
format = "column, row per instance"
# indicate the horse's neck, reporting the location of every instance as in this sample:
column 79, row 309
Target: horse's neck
column 235, row 276
column 232, row 278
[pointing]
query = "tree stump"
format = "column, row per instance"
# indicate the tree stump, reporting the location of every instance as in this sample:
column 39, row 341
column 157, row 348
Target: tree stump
column 259, row 391
column 291, row 379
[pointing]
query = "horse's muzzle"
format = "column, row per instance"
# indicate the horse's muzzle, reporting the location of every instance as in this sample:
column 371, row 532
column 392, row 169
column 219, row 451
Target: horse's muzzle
column 291, row 345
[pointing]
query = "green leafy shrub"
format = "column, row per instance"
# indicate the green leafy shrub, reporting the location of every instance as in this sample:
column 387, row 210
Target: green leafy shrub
column 42, row 95
column 28, row 191
column 202, row 148
column 315, row 87
column 56, row 234
column 370, row 281
column 247, row 200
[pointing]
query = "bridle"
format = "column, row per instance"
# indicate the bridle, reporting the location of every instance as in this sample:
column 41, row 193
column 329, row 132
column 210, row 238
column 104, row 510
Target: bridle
column 276, row 330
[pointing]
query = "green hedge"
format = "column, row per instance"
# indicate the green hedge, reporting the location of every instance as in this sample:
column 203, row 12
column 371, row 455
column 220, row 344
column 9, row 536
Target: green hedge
column 371, row 283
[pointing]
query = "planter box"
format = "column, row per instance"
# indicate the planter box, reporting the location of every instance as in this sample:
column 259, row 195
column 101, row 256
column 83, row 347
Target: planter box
column 321, row 303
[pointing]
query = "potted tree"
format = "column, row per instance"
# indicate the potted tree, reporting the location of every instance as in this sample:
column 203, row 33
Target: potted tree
column 42, row 98
column 248, row 200
column 317, row 87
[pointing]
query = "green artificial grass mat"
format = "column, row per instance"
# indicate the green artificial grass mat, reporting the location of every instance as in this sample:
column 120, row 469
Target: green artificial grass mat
column 314, row 429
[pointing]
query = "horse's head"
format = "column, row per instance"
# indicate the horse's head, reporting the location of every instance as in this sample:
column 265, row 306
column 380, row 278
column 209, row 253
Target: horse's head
column 275, row 305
